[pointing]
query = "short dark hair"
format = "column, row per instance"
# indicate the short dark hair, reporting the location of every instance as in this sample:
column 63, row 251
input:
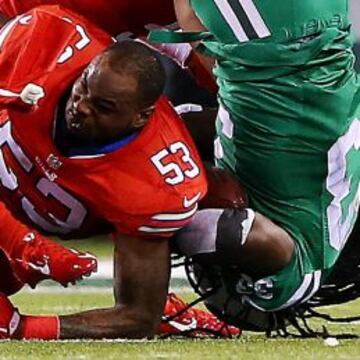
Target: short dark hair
column 137, row 59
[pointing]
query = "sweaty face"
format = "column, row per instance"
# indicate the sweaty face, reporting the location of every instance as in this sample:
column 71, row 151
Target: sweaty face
column 102, row 106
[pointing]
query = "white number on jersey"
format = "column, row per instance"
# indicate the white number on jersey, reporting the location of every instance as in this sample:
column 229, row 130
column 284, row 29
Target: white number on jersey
column 339, row 186
column 176, row 173
column 83, row 41
column 76, row 211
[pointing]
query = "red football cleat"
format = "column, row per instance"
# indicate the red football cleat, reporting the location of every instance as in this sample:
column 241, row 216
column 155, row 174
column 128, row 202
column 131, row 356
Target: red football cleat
column 43, row 259
column 192, row 322
column 9, row 318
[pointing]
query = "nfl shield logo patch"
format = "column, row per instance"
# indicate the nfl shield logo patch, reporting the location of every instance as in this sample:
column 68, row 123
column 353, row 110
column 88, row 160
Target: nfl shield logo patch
column 53, row 161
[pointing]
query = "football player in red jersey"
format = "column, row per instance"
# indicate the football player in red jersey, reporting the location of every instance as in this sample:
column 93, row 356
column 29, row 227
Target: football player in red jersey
column 107, row 153
column 30, row 260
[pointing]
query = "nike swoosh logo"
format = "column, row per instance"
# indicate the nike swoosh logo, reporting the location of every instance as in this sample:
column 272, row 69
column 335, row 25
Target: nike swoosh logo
column 29, row 237
column 44, row 269
column 190, row 202
column 183, row 327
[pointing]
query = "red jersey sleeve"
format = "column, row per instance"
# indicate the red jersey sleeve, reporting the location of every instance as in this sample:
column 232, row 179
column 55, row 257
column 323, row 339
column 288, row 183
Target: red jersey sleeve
column 114, row 16
column 37, row 44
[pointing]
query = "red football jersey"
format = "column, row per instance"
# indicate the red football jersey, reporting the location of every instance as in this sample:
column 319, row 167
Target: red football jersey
column 114, row 16
column 149, row 187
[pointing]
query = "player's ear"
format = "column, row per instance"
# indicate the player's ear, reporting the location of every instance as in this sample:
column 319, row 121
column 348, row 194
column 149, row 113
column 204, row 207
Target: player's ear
column 144, row 116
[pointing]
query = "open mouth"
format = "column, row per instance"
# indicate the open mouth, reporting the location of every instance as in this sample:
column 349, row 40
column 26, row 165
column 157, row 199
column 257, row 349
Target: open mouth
column 75, row 125
column 73, row 121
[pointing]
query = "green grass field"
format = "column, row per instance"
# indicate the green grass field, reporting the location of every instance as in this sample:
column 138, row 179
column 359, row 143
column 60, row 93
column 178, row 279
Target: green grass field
column 249, row 346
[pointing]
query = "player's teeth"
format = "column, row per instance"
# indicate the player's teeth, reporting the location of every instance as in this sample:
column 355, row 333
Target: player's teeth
column 75, row 125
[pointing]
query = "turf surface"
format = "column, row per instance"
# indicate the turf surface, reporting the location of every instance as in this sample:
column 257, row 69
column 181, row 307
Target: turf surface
column 249, row 346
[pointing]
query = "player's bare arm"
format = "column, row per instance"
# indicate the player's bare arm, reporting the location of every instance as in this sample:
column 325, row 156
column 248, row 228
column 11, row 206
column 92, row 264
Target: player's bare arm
column 237, row 235
column 141, row 284
column 262, row 251
column 186, row 17
column 188, row 21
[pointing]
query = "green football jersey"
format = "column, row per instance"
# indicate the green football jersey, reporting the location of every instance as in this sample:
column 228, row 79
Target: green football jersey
column 288, row 123
column 260, row 39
